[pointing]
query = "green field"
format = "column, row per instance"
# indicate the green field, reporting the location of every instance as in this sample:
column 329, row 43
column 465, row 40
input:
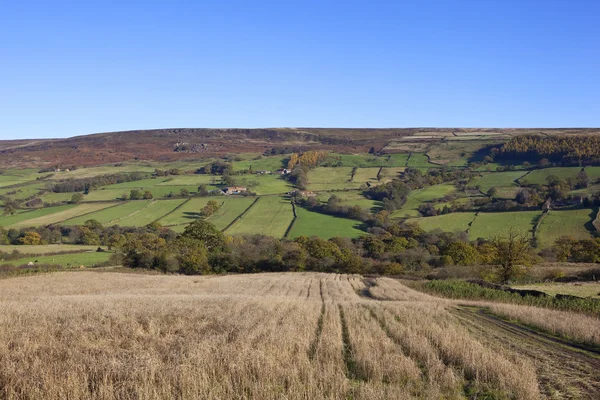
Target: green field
column 30, row 215
column 263, row 163
column 363, row 175
column 538, row 176
column 311, row 223
column 23, row 192
column 86, row 259
column 269, row 216
column 565, row 223
column 454, row 222
column 419, row 160
column 52, row 198
column 264, row 184
column 188, row 212
column 366, row 161
column 498, row 180
column 153, row 211
column 396, row 160
column 420, row 196
column 63, row 215
column 230, row 210
column 488, row 225
column 323, row 179
column 211, row 181
column 352, row 198
column 110, row 216
column 43, row 249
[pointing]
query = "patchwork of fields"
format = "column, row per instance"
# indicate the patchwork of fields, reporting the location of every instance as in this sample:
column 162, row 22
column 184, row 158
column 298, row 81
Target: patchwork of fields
column 343, row 177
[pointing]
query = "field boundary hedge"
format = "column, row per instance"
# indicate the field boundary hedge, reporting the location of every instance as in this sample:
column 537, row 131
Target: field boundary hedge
column 539, row 223
column 522, row 176
column 291, row 225
column 470, row 224
column 596, row 221
column 240, row 216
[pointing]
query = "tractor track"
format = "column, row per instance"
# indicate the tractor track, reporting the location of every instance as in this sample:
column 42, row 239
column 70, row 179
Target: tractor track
column 565, row 369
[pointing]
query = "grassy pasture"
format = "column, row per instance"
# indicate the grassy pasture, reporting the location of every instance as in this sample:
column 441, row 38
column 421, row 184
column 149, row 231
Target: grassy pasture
column 488, row 225
column 368, row 160
column 363, row 175
column 264, row 184
column 323, row 179
column 454, row 153
column 91, row 172
column 264, row 163
column 497, row 180
column 389, row 173
column 63, row 215
column 23, row 192
column 454, row 222
column 565, row 223
column 396, row 160
column 8, row 180
column 211, row 181
column 419, row 160
column 51, row 197
column 230, row 210
column 352, row 198
column 538, row 176
column 44, row 249
column 30, row 215
column 188, row 212
column 87, row 259
column 110, row 216
column 311, row 223
column 419, row 196
column 269, row 216
column 153, row 211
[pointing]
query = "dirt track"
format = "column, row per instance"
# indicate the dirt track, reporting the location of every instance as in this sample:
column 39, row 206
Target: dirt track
column 565, row 370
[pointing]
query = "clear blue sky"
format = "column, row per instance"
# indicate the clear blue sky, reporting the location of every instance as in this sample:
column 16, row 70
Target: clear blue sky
column 71, row 68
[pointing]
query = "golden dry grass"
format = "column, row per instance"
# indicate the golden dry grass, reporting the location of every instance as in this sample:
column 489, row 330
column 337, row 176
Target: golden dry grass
column 264, row 336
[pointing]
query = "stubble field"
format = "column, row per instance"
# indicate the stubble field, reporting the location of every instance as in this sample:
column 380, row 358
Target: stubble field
column 272, row 336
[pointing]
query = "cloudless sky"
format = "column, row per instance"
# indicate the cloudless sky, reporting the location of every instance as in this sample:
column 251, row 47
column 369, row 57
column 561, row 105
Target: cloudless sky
column 79, row 67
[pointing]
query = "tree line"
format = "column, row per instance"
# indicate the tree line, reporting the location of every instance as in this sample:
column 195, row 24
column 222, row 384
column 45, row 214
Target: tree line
column 87, row 184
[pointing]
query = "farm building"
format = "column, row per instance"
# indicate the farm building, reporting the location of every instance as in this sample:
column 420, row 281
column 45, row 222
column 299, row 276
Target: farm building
column 262, row 172
column 284, row 171
column 234, row 190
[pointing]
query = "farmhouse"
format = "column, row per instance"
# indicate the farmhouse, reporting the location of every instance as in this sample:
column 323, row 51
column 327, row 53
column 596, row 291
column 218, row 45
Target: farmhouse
column 262, row 172
column 234, row 190
column 284, row 171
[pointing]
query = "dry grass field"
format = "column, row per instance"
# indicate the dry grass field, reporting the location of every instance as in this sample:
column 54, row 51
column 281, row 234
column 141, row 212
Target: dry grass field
column 109, row 335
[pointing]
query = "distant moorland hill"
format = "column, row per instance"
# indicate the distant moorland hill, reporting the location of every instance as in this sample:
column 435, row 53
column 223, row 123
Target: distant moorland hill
column 178, row 144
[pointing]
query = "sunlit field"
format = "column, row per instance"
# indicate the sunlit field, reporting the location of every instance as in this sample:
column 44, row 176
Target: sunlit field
column 271, row 336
